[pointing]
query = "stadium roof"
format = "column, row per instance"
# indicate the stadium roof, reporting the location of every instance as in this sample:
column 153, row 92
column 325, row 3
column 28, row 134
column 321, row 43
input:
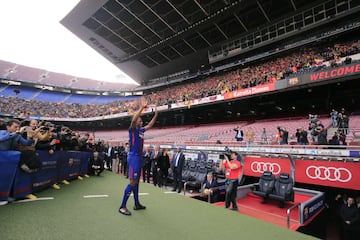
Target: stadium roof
column 153, row 38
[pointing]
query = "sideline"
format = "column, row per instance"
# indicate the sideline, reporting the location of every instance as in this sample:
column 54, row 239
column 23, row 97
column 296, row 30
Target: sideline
column 96, row 196
column 35, row 199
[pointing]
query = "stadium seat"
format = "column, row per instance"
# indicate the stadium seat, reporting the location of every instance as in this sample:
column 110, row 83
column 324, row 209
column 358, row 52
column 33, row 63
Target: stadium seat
column 198, row 177
column 266, row 185
column 210, row 165
column 284, row 189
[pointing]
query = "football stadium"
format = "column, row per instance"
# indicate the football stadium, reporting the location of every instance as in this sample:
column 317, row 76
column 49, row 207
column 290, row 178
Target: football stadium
column 244, row 124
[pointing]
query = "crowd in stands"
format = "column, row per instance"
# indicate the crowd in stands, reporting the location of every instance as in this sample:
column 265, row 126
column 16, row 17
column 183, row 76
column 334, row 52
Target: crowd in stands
column 16, row 106
column 307, row 58
column 304, row 60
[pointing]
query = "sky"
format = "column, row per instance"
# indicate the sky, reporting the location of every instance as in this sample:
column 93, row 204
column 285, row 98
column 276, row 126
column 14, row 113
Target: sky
column 32, row 35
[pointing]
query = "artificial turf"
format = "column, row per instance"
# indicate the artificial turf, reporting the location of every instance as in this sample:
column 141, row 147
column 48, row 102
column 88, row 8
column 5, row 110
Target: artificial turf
column 167, row 216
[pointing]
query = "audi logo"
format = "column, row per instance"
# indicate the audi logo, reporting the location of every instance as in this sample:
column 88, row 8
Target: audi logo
column 260, row 167
column 329, row 173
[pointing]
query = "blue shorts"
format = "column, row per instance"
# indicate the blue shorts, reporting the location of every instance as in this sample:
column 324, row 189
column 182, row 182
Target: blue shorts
column 134, row 162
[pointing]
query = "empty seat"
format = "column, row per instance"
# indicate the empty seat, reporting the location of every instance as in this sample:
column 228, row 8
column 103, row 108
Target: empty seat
column 284, row 189
column 198, row 178
column 266, row 185
column 190, row 171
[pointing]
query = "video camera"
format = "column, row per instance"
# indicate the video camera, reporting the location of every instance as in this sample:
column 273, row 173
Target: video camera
column 228, row 153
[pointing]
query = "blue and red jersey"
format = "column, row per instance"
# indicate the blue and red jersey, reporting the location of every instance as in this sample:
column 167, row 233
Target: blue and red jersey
column 136, row 136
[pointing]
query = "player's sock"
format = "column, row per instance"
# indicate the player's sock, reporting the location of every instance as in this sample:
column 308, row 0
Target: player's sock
column 127, row 193
column 136, row 194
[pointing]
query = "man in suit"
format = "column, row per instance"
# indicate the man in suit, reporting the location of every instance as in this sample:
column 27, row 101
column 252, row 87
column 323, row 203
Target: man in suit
column 110, row 154
column 146, row 164
column 177, row 165
column 96, row 164
column 153, row 163
column 208, row 186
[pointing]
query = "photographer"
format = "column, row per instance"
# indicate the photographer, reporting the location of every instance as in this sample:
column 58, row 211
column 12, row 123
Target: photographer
column 10, row 138
column 96, row 164
column 232, row 168
column 321, row 134
column 46, row 138
column 301, row 136
column 284, row 135
column 68, row 139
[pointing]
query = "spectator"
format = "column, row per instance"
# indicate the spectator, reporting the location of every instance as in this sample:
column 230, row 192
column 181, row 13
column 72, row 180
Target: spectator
column 154, row 162
column 177, row 165
column 163, row 168
column 342, row 138
column 210, row 188
column 9, row 138
column 349, row 215
column 125, row 154
column 96, row 164
column 109, row 156
column 321, row 133
column 301, row 136
column 335, row 139
column 264, row 139
column 146, row 164
column 250, row 137
column 334, row 117
column 239, row 135
column 343, row 121
column 284, row 135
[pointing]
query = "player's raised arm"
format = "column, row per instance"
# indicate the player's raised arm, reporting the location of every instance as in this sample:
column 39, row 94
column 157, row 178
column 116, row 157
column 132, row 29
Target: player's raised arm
column 153, row 120
column 143, row 104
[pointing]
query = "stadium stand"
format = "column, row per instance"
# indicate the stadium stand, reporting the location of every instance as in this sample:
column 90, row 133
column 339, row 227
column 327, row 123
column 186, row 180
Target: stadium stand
column 57, row 79
column 81, row 99
column 18, row 91
column 50, row 96
column 25, row 73
column 6, row 68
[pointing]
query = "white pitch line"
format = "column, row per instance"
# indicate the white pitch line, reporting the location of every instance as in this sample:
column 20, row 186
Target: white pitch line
column 141, row 194
column 95, row 196
column 169, row 192
column 35, row 199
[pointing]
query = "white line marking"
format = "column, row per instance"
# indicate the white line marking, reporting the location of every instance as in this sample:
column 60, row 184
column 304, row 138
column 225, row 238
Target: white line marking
column 169, row 192
column 141, row 194
column 95, row 196
column 35, row 199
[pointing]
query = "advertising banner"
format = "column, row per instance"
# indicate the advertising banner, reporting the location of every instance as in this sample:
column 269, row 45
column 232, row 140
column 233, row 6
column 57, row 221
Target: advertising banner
column 8, row 166
column 309, row 209
column 255, row 166
column 250, row 91
column 70, row 165
column 332, row 73
column 47, row 175
column 334, row 174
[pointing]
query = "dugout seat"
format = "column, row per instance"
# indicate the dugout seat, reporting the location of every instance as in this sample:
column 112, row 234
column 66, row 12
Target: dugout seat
column 198, row 178
column 266, row 185
column 284, row 189
column 186, row 170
